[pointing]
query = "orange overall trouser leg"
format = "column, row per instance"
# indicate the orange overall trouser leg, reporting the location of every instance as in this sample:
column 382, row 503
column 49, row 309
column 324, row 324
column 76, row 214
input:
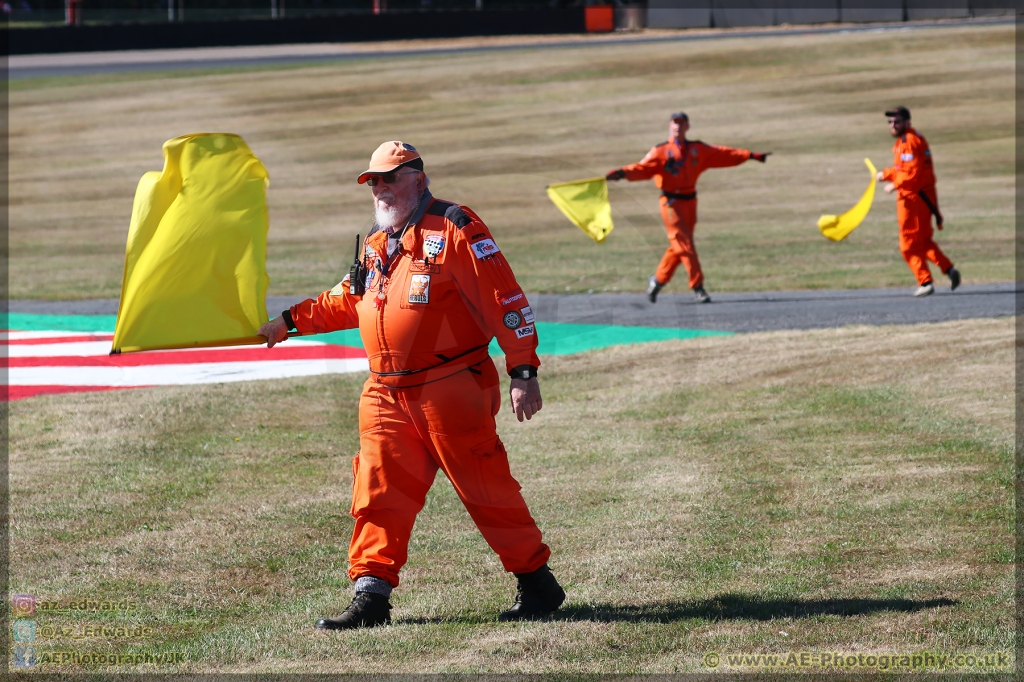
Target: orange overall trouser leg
column 405, row 436
column 680, row 218
column 916, row 243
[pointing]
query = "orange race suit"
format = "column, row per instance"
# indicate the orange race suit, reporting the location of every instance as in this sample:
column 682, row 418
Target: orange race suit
column 425, row 319
column 675, row 168
column 916, row 202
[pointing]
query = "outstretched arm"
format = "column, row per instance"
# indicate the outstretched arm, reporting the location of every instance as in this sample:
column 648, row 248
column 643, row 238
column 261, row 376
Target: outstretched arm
column 328, row 312
column 645, row 170
column 713, row 156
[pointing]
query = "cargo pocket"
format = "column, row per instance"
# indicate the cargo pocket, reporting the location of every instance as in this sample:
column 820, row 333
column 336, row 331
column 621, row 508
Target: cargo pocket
column 355, row 488
column 492, row 479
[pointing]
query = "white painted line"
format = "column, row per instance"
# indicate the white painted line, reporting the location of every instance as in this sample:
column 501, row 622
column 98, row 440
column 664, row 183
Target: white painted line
column 166, row 375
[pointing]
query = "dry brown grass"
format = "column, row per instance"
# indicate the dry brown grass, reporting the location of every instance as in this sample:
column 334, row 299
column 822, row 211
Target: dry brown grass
column 495, row 128
column 699, row 495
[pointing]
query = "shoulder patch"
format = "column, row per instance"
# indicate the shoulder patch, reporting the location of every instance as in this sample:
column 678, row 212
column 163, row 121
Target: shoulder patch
column 457, row 216
column 451, row 212
column 438, row 207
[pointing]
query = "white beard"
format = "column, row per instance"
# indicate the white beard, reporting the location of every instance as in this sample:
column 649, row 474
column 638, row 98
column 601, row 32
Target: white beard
column 394, row 216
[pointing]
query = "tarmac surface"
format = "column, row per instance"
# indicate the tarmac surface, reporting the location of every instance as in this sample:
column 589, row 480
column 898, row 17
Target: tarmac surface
column 86, row 63
column 732, row 312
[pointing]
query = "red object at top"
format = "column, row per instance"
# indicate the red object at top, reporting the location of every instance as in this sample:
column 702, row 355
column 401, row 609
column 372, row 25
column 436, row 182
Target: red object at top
column 599, row 18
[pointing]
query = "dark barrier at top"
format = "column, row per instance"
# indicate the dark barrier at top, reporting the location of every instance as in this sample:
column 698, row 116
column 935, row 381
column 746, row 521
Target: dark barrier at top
column 343, row 28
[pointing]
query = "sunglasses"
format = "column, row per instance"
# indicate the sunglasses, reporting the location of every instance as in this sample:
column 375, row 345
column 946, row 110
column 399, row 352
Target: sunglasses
column 386, row 178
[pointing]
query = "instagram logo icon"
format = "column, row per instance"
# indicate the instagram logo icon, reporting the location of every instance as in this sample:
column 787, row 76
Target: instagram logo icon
column 24, row 605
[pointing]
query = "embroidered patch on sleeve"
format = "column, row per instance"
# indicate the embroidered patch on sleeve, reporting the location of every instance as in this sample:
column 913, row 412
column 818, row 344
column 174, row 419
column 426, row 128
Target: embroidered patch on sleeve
column 527, row 313
column 485, row 248
column 524, row 332
column 510, row 299
column 419, row 289
column 512, row 319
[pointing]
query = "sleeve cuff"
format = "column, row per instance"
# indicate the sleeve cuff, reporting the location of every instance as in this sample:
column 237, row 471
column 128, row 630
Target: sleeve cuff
column 523, row 372
column 287, row 317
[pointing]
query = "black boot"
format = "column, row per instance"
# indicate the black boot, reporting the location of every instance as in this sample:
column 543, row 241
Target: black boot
column 537, row 596
column 367, row 610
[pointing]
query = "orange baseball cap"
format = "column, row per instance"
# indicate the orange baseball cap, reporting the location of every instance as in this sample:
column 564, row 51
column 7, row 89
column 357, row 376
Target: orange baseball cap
column 391, row 156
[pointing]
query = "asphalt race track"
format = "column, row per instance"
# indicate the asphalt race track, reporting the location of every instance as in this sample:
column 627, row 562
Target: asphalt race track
column 766, row 311
column 733, row 312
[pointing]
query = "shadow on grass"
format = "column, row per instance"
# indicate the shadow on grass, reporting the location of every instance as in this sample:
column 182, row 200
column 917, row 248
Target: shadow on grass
column 744, row 607
column 723, row 607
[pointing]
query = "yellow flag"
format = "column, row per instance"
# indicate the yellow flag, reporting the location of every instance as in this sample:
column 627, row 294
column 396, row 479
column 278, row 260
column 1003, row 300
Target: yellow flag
column 837, row 228
column 195, row 265
column 585, row 203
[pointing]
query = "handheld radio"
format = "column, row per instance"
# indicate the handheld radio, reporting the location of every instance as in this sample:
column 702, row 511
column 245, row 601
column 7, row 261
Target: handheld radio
column 357, row 274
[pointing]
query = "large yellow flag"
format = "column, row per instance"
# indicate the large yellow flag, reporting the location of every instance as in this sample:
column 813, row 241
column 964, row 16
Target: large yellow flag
column 585, row 203
column 195, row 265
column 837, row 228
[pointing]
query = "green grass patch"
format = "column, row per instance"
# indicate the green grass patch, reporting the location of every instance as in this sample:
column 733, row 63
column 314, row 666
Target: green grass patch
column 756, row 493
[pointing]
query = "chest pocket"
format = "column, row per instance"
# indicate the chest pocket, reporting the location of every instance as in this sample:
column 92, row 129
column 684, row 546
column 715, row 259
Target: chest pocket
column 424, row 286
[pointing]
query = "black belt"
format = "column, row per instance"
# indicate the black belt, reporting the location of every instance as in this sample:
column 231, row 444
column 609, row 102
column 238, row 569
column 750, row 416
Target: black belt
column 444, row 361
column 685, row 197
column 931, row 207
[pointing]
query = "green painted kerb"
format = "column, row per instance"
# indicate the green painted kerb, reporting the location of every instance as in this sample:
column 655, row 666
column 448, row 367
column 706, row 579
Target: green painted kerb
column 61, row 323
column 555, row 338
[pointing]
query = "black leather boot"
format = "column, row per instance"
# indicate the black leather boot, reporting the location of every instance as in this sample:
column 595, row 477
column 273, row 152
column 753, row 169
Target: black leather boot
column 537, row 596
column 367, row 610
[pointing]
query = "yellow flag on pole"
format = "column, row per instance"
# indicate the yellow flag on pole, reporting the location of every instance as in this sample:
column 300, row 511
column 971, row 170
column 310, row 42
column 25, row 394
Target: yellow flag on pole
column 585, row 203
column 838, row 228
column 195, row 264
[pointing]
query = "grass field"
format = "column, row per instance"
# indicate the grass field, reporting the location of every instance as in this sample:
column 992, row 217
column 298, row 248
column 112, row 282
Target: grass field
column 495, row 128
column 838, row 490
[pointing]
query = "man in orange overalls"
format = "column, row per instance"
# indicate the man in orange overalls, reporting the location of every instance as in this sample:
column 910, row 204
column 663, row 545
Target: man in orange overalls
column 913, row 178
column 675, row 166
column 429, row 293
